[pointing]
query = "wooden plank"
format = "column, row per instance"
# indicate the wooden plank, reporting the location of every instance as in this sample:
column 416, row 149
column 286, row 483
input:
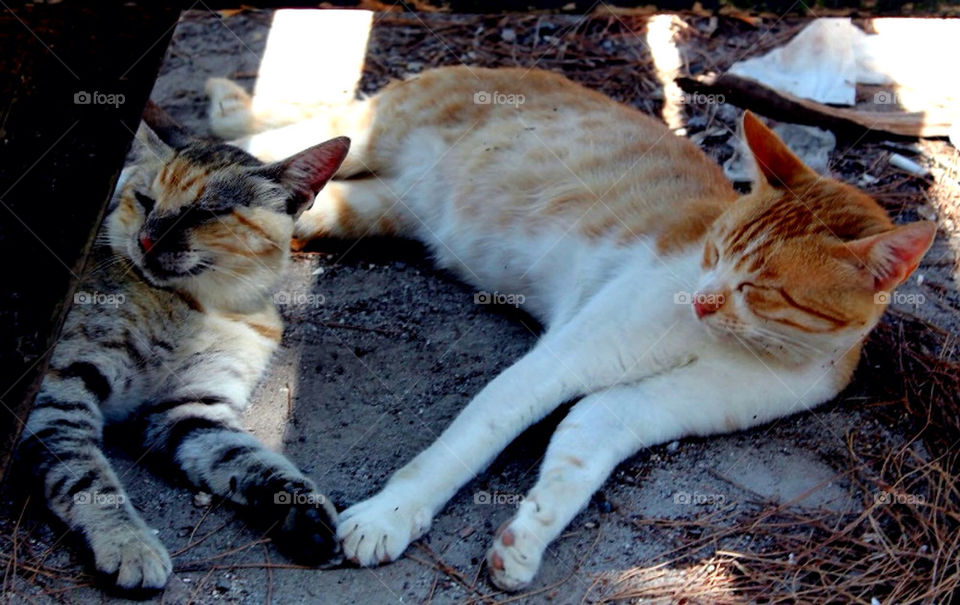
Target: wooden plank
column 750, row 94
column 73, row 81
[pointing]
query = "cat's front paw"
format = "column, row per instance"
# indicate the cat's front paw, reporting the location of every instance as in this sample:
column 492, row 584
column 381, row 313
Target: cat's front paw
column 305, row 524
column 379, row 529
column 514, row 557
column 131, row 558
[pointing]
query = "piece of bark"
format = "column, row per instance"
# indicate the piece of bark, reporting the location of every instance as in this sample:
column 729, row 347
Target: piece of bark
column 750, row 94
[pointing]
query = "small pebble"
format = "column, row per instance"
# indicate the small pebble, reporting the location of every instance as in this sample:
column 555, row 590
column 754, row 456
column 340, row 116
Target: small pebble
column 508, row 35
column 202, row 499
column 673, row 446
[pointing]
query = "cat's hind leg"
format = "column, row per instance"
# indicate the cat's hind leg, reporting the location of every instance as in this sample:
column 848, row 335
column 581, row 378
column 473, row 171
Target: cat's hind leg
column 232, row 112
column 351, row 209
column 230, row 109
column 61, row 445
column 275, row 133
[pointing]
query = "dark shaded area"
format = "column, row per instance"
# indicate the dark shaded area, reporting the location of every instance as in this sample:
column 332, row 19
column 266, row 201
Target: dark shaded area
column 72, row 83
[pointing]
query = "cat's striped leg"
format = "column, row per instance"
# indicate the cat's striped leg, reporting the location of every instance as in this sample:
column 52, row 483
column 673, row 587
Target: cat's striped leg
column 350, row 209
column 61, row 443
column 203, row 437
column 598, row 432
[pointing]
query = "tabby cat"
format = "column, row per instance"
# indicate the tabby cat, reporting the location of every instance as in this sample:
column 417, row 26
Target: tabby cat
column 171, row 328
column 672, row 306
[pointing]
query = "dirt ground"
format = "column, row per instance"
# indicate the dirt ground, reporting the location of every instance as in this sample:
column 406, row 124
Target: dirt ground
column 386, row 350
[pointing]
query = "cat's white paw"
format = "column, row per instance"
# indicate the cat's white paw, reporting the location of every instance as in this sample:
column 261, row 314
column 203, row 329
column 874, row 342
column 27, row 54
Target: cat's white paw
column 514, row 557
column 379, row 529
column 229, row 110
column 134, row 555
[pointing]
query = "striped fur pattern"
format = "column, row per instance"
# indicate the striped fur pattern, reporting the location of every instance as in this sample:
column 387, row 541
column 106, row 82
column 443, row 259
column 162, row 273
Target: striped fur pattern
column 172, row 326
column 672, row 305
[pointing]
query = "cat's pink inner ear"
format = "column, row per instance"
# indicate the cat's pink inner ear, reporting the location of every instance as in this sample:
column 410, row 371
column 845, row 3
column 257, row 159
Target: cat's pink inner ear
column 893, row 255
column 776, row 163
column 312, row 168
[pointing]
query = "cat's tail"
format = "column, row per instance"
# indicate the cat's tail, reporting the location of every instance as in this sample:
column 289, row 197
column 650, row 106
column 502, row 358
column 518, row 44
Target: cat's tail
column 281, row 130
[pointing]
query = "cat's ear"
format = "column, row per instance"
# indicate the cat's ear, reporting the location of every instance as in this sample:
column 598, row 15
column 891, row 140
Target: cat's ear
column 305, row 173
column 777, row 165
column 169, row 130
column 147, row 145
column 893, row 255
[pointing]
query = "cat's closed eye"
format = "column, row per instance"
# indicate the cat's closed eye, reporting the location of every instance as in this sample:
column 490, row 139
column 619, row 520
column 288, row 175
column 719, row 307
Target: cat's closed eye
column 146, row 202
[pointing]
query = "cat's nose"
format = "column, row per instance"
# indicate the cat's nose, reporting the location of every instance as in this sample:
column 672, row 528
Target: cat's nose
column 705, row 304
column 146, row 243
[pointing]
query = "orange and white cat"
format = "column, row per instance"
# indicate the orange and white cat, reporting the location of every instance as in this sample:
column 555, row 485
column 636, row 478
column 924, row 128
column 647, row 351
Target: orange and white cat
column 672, row 306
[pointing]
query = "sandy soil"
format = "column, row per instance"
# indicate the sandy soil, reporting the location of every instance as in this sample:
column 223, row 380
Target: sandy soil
column 374, row 372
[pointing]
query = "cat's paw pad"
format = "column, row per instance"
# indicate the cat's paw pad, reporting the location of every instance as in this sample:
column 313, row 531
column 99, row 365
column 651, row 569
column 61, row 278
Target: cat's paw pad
column 378, row 530
column 514, row 557
column 132, row 559
column 306, row 535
